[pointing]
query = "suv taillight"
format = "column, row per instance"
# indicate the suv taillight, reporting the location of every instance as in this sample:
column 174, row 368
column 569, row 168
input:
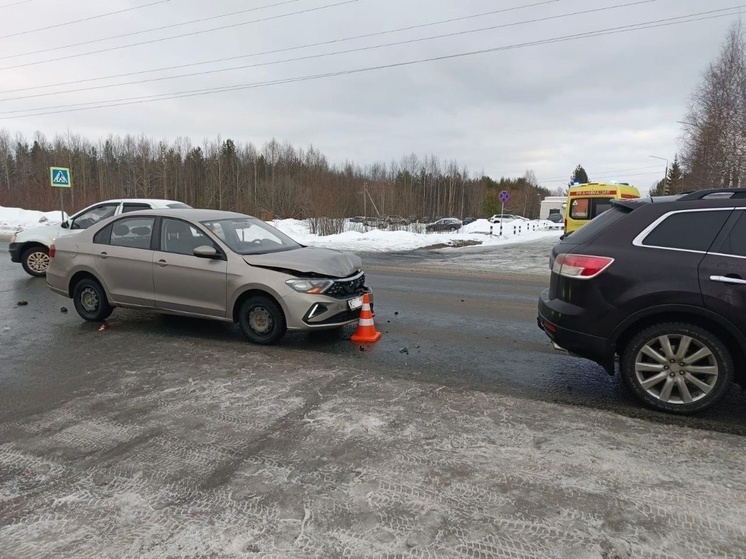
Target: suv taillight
column 52, row 251
column 580, row 266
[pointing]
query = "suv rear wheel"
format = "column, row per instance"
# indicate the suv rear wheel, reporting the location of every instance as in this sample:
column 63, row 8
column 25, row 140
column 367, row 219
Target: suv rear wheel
column 677, row 367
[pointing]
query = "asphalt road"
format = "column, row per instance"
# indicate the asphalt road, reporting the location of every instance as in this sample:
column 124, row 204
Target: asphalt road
column 460, row 434
column 451, row 316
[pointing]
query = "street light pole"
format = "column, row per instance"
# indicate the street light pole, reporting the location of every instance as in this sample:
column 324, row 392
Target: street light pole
column 665, row 177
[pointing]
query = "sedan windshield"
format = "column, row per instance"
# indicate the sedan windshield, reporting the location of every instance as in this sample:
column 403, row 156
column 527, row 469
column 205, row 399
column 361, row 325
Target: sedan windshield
column 250, row 236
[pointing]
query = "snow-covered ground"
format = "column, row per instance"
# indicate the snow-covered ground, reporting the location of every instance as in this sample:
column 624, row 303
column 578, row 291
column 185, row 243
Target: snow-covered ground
column 13, row 220
column 355, row 237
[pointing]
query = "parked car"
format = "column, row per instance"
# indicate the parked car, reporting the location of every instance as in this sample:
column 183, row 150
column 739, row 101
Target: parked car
column 31, row 247
column 375, row 222
column 395, row 220
column 357, row 219
column 555, row 218
column 505, row 218
column 210, row 264
column 445, row 224
column 660, row 283
column 468, row 220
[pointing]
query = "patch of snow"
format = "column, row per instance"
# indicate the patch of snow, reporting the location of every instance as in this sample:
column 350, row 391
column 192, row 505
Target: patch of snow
column 13, row 220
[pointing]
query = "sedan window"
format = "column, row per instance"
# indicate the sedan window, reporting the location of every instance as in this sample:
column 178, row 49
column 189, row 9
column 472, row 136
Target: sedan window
column 134, row 232
column 180, row 237
column 92, row 216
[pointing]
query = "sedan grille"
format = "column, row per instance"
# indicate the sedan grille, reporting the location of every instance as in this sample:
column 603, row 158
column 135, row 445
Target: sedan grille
column 347, row 287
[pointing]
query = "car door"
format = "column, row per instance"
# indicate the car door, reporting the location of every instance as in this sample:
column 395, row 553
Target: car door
column 184, row 282
column 124, row 260
column 722, row 273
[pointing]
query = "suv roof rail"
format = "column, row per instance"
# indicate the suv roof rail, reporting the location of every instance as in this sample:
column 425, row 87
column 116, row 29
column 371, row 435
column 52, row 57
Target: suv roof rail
column 700, row 194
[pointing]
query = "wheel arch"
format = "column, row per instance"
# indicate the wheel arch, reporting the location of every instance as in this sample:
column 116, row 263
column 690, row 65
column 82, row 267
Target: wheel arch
column 80, row 275
column 261, row 292
column 733, row 339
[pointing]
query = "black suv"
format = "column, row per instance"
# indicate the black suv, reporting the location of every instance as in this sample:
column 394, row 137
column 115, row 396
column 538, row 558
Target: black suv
column 660, row 283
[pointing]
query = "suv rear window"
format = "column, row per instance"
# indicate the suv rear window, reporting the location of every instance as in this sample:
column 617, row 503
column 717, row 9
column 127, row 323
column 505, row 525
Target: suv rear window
column 178, row 206
column 596, row 225
column 687, row 230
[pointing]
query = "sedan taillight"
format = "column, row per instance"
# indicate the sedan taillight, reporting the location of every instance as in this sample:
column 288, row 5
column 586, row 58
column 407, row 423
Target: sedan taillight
column 52, row 251
column 580, row 266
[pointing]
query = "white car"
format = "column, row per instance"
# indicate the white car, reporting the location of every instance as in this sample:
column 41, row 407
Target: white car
column 506, row 218
column 31, row 247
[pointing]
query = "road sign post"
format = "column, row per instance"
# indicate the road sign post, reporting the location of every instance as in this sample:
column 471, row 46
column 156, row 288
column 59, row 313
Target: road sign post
column 59, row 177
column 504, row 196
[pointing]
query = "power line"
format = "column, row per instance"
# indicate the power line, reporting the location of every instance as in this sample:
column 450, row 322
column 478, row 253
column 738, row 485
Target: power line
column 667, row 22
column 170, row 38
column 57, row 25
column 603, row 177
column 15, row 4
column 277, row 51
column 600, row 173
column 336, row 53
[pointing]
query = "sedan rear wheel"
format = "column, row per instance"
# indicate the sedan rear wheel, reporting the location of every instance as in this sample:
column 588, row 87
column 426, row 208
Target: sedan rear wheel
column 35, row 261
column 677, row 367
column 262, row 320
column 90, row 300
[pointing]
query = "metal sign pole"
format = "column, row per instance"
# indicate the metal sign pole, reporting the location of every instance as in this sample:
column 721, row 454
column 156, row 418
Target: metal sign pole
column 502, row 211
column 62, row 206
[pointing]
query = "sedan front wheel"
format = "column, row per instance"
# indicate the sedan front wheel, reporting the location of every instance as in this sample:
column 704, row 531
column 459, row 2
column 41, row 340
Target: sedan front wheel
column 262, row 320
column 677, row 367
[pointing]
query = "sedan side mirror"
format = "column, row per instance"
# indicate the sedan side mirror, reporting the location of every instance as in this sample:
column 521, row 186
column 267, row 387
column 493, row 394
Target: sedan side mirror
column 205, row 251
column 65, row 224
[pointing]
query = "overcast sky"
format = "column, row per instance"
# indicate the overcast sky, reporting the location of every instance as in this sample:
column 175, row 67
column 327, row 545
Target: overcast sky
column 608, row 102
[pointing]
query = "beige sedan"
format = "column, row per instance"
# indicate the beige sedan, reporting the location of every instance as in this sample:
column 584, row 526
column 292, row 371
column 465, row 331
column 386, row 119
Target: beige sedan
column 210, row 264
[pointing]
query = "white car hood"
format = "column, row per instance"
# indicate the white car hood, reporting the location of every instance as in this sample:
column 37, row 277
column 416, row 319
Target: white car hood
column 308, row 260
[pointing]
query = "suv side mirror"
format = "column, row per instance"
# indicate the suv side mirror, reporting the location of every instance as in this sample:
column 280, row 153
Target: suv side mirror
column 65, row 224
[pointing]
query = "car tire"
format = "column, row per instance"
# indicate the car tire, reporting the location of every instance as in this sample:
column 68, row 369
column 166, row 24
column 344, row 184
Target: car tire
column 90, row 300
column 262, row 320
column 35, row 261
column 677, row 367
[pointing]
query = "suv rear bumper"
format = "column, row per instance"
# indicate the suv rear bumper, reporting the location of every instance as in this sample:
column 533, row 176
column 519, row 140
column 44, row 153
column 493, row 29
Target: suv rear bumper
column 15, row 252
column 580, row 344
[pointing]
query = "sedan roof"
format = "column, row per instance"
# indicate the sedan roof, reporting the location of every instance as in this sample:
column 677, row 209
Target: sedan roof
column 191, row 213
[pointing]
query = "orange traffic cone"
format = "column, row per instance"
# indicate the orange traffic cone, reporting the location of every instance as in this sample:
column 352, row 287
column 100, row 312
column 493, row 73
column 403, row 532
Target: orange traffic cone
column 366, row 330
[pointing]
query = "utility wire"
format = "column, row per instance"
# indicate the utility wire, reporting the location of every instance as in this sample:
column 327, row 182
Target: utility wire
column 336, row 53
column 169, row 38
column 200, row 92
column 276, row 51
column 91, row 18
column 600, row 173
column 15, row 4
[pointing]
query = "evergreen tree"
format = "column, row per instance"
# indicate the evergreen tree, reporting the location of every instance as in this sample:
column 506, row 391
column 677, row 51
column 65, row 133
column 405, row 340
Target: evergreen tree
column 579, row 176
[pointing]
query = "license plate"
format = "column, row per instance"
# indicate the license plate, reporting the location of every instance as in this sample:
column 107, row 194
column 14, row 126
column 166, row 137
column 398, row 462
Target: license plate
column 355, row 303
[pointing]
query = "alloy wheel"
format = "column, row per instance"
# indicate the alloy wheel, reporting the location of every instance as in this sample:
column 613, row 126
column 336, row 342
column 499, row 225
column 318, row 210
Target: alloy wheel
column 676, row 369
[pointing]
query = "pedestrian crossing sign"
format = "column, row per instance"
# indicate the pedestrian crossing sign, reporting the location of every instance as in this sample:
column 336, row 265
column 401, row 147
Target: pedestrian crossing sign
column 60, row 177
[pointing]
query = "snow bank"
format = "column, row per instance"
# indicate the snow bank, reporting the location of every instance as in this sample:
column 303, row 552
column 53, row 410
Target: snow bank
column 13, row 220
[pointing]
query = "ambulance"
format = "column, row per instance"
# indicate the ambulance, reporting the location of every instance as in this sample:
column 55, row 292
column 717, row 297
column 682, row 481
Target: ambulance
column 586, row 201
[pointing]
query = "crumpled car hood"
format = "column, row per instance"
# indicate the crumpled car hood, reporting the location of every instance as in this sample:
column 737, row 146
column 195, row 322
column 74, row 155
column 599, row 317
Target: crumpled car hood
column 309, row 260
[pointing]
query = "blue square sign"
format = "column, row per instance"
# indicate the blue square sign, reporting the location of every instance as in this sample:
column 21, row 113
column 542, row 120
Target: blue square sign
column 60, row 177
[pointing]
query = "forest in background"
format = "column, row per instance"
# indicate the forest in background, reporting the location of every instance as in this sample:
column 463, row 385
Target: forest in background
column 276, row 180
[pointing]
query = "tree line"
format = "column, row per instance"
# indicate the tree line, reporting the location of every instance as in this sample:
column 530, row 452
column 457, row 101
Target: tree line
column 275, row 180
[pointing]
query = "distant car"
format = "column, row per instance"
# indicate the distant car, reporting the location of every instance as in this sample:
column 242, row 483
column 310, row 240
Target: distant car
column 31, row 247
column 357, row 219
column 468, row 220
column 445, row 224
column 504, row 217
column 555, row 218
column 209, row 264
column 395, row 220
column 374, row 222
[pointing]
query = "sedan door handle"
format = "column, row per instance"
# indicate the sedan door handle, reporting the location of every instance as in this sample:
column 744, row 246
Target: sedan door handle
column 729, row 280
column 104, row 255
column 162, row 263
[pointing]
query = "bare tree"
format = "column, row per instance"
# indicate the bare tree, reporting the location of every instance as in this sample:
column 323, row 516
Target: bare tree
column 714, row 138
